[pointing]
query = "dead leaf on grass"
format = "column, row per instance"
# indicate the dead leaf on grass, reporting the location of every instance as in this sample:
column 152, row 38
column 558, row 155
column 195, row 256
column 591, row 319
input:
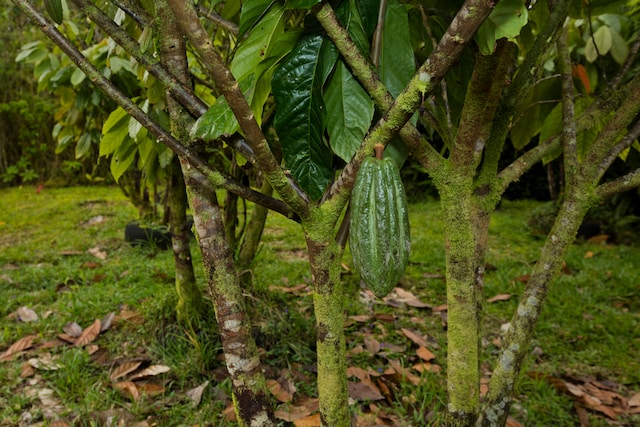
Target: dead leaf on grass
column 295, row 290
column 413, row 379
column 17, row 347
column 98, row 253
column 124, row 369
column 106, row 321
column 129, row 388
column 511, row 422
column 364, row 390
column 88, row 335
column 151, row 371
column 310, row 421
column 195, row 394
column 415, row 337
column 402, row 296
column 426, row 367
column 25, row 314
column 499, row 297
column 72, row 329
column 45, row 362
column 291, row 413
column 634, row 400
column 425, row 354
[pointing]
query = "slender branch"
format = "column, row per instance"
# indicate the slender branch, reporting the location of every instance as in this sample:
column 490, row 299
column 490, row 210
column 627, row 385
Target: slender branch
column 569, row 138
column 619, row 147
column 631, row 59
column 376, row 45
column 620, row 185
column 521, row 82
column 164, row 137
column 136, row 13
column 227, row 84
column 214, row 17
column 181, row 92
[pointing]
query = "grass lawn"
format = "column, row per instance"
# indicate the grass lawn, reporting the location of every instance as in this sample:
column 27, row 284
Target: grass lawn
column 64, row 264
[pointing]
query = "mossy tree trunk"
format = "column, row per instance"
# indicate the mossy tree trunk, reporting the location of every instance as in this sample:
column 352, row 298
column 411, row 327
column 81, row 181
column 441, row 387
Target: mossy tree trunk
column 250, row 395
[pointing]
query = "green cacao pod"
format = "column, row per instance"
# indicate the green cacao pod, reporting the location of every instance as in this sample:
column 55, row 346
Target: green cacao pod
column 379, row 225
column 54, row 9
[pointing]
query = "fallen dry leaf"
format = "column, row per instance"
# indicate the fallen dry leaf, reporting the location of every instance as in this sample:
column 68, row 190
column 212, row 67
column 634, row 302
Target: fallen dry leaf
column 151, row 371
column 150, row 388
column 88, row 335
column 106, row 321
column 296, row 290
column 124, row 369
column 402, row 296
column 442, row 307
column 415, row 380
column 426, row 367
column 425, row 354
column 415, row 337
column 195, row 394
column 292, row 413
column 45, row 362
column 499, row 297
column 588, row 254
column 128, row 388
column 59, row 423
column 98, row 253
column 19, row 346
column 310, row 421
column 26, row 314
column 72, row 329
column 634, row 400
column 364, row 390
column 513, row 423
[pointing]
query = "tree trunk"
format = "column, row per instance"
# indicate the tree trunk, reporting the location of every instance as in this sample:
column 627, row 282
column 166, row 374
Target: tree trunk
column 250, row 394
column 190, row 303
column 325, row 255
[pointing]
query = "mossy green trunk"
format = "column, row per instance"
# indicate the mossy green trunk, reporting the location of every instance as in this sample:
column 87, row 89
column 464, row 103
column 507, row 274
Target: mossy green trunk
column 325, row 255
column 190, row 303
column 463, row 378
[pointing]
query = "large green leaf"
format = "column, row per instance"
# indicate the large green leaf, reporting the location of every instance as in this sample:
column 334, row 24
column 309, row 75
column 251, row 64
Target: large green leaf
column 599, row 44
column 299, row 118
column 349, row 16
column 505, row 21
column 257, row 47
column 349, row 112
column 301, row 4
column 397, row 64
column 251, row 13
column 114, row 131
column 219, row 119
column 123, row 158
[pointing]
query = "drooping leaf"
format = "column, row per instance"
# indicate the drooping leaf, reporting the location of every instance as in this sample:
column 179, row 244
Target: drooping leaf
column 348, row 14
column 397, row 64
column 250, row 13
column 123, row 158
column 599, row 44
column 619, row 50
column 219, row 119
column 114, row 131
column 349, row 112
column 300, row 113
column 84, row 145
column 257, row 46
column 505, row 21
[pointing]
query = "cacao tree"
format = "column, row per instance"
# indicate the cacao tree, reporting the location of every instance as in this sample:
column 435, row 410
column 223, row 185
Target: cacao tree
column 305, row 89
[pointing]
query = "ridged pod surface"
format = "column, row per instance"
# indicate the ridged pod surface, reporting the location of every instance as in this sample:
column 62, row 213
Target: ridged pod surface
column 379, row 225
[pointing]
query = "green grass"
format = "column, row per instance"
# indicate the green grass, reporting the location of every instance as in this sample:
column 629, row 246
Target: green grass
column 589, row 327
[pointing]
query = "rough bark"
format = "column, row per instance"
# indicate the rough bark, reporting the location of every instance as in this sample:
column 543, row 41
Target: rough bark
column 190, row 303
column 325, row 255
column 250, row 394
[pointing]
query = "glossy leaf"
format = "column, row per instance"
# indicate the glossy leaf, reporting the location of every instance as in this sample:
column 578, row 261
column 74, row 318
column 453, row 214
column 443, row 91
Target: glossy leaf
column 505, row 21
column 252, row 11
column 257, row 47
column 219, row 119
column 349, row 112
column 397, row 64
column 348, row 14
column 300, row 116
column 123, row 158
column 114, row 131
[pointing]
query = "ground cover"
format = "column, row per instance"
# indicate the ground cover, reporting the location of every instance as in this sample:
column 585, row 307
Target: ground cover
column 88, row 336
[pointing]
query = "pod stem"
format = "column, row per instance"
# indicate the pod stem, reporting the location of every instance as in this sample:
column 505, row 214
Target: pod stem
column 379, row 149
